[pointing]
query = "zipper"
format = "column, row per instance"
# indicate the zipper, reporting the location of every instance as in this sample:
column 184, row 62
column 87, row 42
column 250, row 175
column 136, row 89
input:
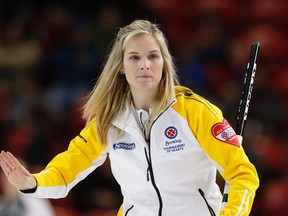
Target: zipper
column 149, row 161
column 209, row 207
column 128, row 210
column 150, row 169
column 147, row 174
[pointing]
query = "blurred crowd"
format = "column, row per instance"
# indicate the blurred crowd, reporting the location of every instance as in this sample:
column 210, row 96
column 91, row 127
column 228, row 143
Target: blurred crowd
column 51, row 53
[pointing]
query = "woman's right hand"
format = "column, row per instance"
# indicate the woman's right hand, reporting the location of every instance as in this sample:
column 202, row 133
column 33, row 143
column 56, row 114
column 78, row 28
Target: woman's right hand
column 16, row 173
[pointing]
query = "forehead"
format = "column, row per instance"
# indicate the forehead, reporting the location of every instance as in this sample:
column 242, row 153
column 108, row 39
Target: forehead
column 142, row 42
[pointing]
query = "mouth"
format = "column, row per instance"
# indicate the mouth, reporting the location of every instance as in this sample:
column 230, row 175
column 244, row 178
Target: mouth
column 144, row 76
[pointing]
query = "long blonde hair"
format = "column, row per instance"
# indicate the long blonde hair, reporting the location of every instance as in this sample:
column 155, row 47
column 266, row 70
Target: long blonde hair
column 110, row 94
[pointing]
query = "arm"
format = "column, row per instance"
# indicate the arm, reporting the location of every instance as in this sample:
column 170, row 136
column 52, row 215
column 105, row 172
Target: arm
column 230, row 158
column 221, row 145
column 83, row 155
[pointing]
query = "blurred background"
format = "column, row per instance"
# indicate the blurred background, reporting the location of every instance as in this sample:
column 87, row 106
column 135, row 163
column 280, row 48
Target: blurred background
column 51, row 53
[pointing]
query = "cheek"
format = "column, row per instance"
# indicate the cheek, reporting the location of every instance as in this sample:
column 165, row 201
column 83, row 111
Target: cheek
column 159, row 72
column 129, row 68
column 129, row 77
column 128, row 71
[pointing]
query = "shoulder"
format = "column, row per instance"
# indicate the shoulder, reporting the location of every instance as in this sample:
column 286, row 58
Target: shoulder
column 192, row 101
column 187, row 93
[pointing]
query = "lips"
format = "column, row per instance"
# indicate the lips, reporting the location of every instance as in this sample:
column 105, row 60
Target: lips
column 144, row 76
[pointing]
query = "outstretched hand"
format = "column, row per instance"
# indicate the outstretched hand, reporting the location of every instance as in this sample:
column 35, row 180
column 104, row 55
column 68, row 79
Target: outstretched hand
column 16, row 173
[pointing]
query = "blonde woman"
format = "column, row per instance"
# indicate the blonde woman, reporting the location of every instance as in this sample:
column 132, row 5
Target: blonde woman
column 164, row 142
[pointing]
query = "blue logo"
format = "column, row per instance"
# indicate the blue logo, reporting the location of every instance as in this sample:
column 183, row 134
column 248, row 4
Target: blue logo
column 126, row 146
column 171, row 132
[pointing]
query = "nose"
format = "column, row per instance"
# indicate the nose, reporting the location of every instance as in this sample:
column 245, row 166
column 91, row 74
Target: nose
column 145, row 65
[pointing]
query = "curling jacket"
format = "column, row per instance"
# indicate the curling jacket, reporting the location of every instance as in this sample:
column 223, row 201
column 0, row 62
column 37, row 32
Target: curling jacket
column 171, row 173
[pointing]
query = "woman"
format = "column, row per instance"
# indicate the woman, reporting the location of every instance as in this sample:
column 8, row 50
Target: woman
column 164, row 142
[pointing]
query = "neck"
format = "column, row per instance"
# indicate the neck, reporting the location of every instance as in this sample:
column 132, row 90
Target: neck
column 143, row 100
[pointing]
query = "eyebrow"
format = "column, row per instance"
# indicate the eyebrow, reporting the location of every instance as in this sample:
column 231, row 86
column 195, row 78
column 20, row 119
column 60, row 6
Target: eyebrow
column 134, row 52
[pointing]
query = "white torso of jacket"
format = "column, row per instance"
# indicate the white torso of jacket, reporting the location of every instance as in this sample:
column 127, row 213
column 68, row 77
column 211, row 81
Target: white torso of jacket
column 165, row 172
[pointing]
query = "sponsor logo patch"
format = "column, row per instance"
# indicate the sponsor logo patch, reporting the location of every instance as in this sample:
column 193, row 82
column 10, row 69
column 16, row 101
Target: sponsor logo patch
column 126, row 146
column 171, row 132
column 173, row 144
column 225, row 133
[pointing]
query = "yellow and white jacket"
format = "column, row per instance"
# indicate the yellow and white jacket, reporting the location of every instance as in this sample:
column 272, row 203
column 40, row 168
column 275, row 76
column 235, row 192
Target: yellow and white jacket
column 171, row 173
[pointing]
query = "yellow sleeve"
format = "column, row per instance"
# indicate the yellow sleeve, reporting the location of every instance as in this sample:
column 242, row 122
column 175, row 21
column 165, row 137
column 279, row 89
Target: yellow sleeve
column 120, row 211
column 233, row 164
column 228, row 155
column 83, row 155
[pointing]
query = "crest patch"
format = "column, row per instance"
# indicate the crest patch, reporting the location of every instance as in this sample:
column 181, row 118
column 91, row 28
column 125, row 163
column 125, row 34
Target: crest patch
column 225, row 133
column 171, row 132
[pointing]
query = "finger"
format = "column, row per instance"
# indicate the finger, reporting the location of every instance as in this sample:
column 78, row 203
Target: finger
column 14, row 161
column 17, row 165
column 5, row 170
column 5, row 167
column 7, row 161
column 2, row 155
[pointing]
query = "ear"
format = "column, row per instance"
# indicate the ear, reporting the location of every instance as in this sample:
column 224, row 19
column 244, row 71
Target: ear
column 122, row 70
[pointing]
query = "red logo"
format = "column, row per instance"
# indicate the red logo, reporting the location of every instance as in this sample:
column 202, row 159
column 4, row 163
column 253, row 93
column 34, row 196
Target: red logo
column 225, row 133
column 171, row 132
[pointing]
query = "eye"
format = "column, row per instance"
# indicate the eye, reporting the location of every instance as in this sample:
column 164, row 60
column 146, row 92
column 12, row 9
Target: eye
column 153, row 56
column 134, row 57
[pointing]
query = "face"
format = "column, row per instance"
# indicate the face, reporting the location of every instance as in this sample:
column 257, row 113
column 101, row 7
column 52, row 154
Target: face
column 143, row 63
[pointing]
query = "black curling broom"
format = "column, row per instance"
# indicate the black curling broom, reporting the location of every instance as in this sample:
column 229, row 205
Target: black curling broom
column 247, row 89
column 245, row 100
